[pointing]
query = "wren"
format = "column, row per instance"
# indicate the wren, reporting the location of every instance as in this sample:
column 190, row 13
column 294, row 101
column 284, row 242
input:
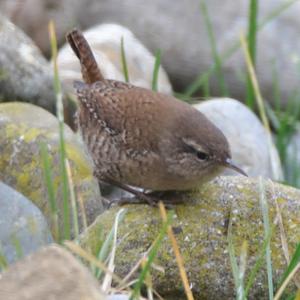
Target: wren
column 145, row 139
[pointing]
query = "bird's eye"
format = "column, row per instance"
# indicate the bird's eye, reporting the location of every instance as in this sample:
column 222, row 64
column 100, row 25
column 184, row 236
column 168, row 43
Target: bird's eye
column 195, row 149
column 202, row 155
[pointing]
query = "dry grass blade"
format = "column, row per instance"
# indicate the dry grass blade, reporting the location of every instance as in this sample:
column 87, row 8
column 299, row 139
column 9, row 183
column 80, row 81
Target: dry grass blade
column 281, row 227
column 260, row 104
column 125, row 281
column 111, row 266
column 285, row 283
column 283, row 238
column 76, row 249
column 238, row 276
column 178, row 256
column 157, row 295
column 254, row 81
column 83, row 212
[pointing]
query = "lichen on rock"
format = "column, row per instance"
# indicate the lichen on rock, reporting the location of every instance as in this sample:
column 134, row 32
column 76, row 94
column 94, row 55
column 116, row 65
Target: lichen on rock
column 23, row 127
column 201, row 229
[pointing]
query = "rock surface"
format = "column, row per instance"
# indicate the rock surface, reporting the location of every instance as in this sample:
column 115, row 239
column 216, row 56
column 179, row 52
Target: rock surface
column 248, row 139
column 33, row 17
column 119, row 297
column 105, row 41
column 179, row 30
column 22, row 225
column 50, row 274
column 23, row 127
column 25, row 75
column 186, row 47
column 201, row 228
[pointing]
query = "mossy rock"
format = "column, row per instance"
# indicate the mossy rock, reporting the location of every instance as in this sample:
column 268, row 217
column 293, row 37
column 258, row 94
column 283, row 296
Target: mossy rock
column 201, row 228
column 23, row 127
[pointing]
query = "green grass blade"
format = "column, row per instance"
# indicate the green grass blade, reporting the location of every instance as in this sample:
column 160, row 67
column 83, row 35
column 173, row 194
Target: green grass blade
column 272, row 116
column 124, row 61
column 252, row 30
column 104, row 251
column 267, row 231
column 3, row 261
column 258, row 265
column 156, row 70
column 62, row 149
column 259, row 262
column 18, row 247
column 242, row 269
column 294, row 261
column 213, row 45
column 284, row 285
column 152, row 254
column 50, row 189
column 291, row 297
column 73, row 201
column 206, row 87
column 276, row 12
column 276, row 89
column 66, row 210
column 198, row 82
column 48, row 177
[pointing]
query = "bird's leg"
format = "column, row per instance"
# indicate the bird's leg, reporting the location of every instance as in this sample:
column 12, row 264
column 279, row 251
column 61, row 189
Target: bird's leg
column 141, row 198
column 150, row 198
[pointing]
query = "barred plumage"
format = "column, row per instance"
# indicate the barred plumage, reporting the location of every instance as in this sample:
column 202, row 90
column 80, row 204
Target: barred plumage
column 142, row 138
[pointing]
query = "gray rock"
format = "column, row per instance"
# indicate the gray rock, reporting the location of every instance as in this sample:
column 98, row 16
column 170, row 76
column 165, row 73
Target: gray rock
column 105, row 41
column 22, row 226
column 23, row 127
column 201, row 229
column 118, row 297
column 33, row 17
column 251, row 146
column 25, row 73
column 50, row 274
column 179, row 30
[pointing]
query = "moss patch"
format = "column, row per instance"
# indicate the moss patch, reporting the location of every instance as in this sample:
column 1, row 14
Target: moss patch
column 21, row 163
column 201, row 225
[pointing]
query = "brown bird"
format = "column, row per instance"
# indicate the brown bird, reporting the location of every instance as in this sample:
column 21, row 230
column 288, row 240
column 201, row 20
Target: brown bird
column 142, row 138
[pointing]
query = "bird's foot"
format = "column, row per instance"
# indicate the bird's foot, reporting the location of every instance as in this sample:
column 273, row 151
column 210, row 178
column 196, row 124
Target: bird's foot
column 150, row 198
column 139, row 198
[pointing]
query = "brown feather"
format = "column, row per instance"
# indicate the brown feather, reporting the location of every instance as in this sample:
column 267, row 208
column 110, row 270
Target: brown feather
column 89, row 68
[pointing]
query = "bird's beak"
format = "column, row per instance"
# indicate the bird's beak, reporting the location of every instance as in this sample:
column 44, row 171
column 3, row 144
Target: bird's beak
column 230, row 164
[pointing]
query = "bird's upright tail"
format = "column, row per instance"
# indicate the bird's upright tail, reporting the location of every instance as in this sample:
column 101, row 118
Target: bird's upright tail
column 89, row 68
